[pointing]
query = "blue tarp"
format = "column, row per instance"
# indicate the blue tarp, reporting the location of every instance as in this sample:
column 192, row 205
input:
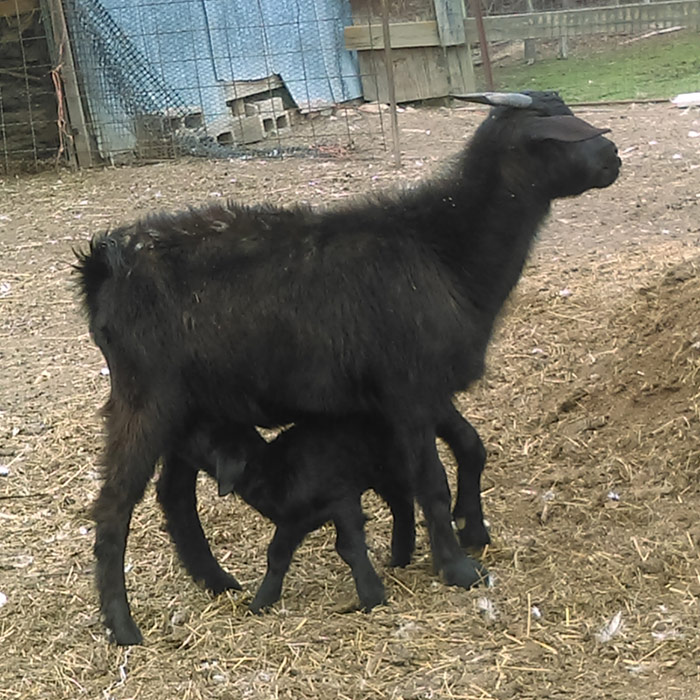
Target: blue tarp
column 194, row 47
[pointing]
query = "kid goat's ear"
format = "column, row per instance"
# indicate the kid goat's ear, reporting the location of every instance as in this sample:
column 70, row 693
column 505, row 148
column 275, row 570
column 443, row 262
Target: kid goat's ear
column 228, row 471
column 562, row 128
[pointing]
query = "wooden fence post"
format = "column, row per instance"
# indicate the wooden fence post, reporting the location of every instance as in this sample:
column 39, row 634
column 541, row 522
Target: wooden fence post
column 530, row 47
column 475, row 6
column 450, row 21
column 62, row 58
column 391, row 85
column 564, row 40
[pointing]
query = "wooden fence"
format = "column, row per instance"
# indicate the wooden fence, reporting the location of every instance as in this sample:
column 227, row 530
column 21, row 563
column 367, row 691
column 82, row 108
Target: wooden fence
column 627, row 19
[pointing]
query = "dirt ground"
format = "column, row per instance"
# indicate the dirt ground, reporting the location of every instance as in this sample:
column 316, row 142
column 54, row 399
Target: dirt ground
column 589, row 409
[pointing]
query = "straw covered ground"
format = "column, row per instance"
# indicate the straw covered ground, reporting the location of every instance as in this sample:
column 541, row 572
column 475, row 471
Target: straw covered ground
column 589, row 409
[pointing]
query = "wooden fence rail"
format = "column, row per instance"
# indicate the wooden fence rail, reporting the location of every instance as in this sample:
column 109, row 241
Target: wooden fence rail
column 536, row 25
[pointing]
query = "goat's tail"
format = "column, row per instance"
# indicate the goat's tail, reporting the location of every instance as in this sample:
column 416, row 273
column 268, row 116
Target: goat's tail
column 102, row 260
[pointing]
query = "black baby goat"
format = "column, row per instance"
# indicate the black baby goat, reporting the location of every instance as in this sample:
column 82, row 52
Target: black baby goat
column 236, row 316
column 312, row 473
column 356, row 453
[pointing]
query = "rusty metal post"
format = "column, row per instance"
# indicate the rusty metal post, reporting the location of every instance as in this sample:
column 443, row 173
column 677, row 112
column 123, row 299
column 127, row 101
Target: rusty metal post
column 475, row 6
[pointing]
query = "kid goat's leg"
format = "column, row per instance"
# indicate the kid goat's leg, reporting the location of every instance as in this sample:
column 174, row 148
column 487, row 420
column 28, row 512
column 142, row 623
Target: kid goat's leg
column 284, row 542
column 178, row 498
column 351, row 546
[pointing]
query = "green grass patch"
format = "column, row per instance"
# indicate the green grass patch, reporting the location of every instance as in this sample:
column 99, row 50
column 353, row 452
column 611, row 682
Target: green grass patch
column 658, row 67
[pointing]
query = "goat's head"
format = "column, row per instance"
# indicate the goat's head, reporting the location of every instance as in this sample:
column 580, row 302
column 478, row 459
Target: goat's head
column 541, row 144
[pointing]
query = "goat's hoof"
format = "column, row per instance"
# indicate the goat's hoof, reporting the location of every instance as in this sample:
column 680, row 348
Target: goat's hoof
column 124, row 633
column 372, row 596
column 257, row 608
column 474, row 538
column 400, row 560
column 370, row 603
column 222, row 582
column 464, row 572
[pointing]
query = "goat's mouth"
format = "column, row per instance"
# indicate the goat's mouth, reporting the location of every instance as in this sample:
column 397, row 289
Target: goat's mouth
column 608, row 174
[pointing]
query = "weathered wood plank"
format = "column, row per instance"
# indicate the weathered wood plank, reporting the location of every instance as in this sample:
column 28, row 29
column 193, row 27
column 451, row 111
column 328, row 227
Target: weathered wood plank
column 63, row 61
column 450, row 21
column 419, row 74
column 404, row 35
column 12, row 8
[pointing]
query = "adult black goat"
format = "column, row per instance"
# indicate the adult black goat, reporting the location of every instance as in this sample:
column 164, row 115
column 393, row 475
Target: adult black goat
column 260, row 316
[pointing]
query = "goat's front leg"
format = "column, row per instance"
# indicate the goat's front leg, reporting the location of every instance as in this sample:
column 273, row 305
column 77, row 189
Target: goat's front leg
column 470, row 455
column 287, row 538
column 433, row 494
column 350, row 544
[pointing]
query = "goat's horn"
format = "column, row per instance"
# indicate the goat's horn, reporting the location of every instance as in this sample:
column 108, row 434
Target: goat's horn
column 506, row 99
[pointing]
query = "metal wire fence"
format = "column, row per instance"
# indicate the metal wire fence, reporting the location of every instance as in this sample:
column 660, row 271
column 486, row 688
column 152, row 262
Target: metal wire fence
column 214, row 78
column 28, row 111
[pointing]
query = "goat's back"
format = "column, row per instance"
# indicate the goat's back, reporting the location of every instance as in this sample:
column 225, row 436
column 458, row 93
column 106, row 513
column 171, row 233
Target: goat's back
column 276, row 312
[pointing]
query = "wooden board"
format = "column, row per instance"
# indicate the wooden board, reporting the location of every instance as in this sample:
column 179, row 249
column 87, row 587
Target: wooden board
column 419, row 74
column 404, row 35
column 453, row 40
column 12, row 8
column 429, row 55
column 420, row 71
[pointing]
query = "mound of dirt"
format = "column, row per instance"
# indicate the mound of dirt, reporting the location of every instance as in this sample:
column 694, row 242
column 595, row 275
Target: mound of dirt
column 592, row 482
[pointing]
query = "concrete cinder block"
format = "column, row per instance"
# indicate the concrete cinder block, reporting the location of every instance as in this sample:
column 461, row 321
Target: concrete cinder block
column 272, row 107
column 274, row 123
column 248, row 129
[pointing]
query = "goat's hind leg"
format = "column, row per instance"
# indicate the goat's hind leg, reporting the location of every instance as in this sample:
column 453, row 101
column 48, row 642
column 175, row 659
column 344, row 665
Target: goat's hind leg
column 403, row 534
column 399, row 496
column 129, row 462
column 470, row 455
column 178, row 498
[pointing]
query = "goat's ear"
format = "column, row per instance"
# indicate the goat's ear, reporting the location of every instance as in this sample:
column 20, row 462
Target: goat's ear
column 228, row 472
column 562, row 128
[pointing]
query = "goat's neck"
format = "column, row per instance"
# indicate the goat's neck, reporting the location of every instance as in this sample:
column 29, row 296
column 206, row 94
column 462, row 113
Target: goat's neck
column 487, row 229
